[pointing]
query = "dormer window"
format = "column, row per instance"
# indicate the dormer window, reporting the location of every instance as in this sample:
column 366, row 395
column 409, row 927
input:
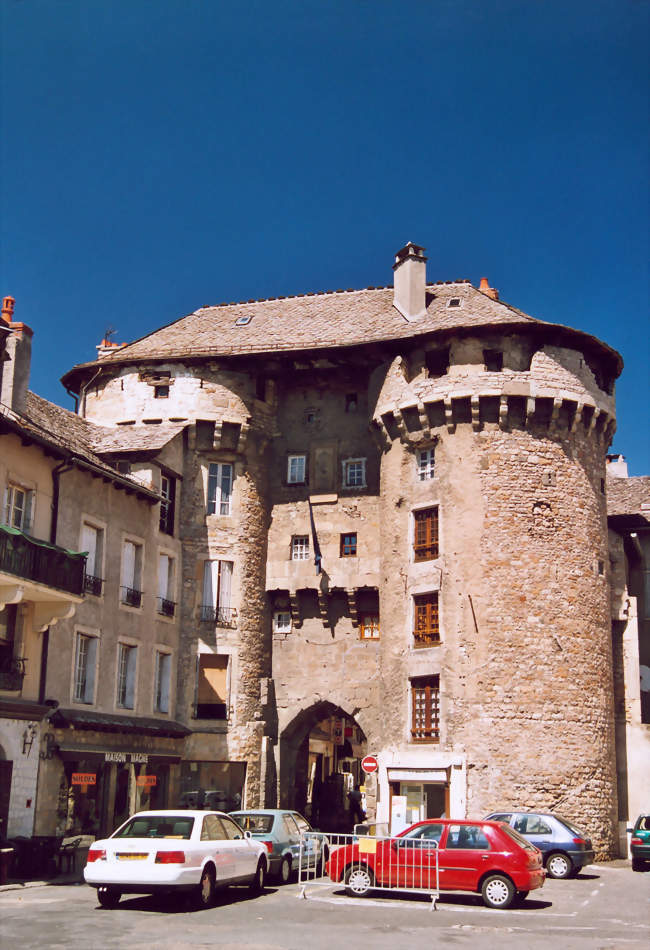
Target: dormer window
column 454, row 302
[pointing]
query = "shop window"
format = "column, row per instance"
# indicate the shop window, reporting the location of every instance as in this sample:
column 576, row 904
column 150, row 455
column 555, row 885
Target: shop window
column 296, row 470
column 349, row 545
column 131, row 587
column 212, row 785
column 426, row 623
column 282, row 621
column 425, row 463
column 162, row 681
column 219, row 488
column 425, row 708
column 126, row 667
column 167, row 504
column 369, row 626
column 354, row 473
column 92, row 541
column 300, row 547
column 212, row 686
column 19, row 507
column 217, row 591
column 85, row 662
column 166, row 570
column 425, row 535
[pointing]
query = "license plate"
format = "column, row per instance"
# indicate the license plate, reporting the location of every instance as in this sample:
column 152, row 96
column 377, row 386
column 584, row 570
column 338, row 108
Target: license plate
column 131, row 856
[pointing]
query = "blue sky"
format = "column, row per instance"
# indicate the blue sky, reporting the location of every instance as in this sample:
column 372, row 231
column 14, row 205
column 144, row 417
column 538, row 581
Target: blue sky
column 160, row 155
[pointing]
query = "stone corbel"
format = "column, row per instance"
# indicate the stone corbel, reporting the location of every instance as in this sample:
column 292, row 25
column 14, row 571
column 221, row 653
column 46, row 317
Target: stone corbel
column 294, row 607
column 244, row 430
column 555, row 414
column 47, row 613
column 401, row 425
column 476, row 413
column 323, row 607
column 449, row 414
column 352, row 606
column 503, row 412
column 594, row 419
column 530, row 410
column 11, row 594
column 424, row 419
column 577, row 416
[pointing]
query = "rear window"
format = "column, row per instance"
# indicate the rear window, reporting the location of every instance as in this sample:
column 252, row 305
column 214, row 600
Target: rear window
column 256, row 824
column 157, row 826
column 569, row 824
column 519, row 839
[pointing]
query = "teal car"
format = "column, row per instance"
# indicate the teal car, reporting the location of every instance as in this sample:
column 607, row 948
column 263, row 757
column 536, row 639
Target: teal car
column 280, row 831
column 640, row 842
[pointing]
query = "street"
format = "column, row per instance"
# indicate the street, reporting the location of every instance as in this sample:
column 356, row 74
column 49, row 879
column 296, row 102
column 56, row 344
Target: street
column 607, row 906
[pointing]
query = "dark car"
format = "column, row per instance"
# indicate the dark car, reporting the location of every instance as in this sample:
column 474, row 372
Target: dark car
column 565, row 849
column 640, row 842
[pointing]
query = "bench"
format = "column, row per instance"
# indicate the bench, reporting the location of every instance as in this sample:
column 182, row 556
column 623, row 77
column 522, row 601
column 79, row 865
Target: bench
column 67, row 854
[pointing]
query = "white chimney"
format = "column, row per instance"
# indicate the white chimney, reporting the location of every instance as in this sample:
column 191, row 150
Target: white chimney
column 617, row 466
column 410, row 269
column 17, row 359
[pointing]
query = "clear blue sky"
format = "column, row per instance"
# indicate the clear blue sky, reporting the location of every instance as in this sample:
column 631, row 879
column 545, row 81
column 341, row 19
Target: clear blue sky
column 159, row 155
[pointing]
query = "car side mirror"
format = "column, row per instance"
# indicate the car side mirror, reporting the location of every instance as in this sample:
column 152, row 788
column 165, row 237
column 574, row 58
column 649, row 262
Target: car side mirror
column 247, row 834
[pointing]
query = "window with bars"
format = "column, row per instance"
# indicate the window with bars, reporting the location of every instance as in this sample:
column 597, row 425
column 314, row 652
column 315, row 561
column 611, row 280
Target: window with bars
column 425, row 462
column 126, row 664
column 354, row 473
column 300, row 547
column 369, row 626
column 84, row 668
column 19, row 504
column 349, row 545
column 167, row 504
column 426, row 621
column 425, row 709
column 162, row 681
column 296, row 469
column 219, row 488
column 425, row 535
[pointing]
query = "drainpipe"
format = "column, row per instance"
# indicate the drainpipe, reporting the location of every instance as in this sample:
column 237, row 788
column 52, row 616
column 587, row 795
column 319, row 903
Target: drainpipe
column 76, row 399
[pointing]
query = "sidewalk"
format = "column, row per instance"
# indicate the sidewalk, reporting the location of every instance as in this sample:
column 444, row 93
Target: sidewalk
column 16, row 884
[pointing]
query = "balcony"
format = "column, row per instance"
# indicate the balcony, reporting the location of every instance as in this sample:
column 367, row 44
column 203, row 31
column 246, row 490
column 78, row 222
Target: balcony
column 93, row 585
column 34, row 560
column 219, row 616
column 166, row 607
column 12, row 672
column 131, row 597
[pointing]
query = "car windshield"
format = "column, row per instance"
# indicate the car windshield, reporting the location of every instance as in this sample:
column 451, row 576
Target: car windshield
column 256, row 824
column 156, row 826
column 521, row 841
column 569, row 824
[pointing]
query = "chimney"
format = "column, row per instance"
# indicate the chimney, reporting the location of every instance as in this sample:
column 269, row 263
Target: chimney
column 106, row 347
column 485, row 288
column 410, row 269
column 18, row 357
column 617, row 466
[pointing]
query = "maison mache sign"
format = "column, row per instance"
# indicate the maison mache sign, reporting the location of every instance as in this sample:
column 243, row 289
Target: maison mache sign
column 140, row 758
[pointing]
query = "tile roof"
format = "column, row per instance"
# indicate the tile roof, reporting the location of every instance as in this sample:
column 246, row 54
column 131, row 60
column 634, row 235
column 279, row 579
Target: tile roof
column 625, row 496
column 134, row 438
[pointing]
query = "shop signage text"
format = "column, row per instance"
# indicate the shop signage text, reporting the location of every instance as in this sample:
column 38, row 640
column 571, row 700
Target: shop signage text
column 145, row 781
column 136, row 757
column 84, row 778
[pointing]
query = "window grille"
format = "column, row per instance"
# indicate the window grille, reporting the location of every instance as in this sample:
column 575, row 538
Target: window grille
column 426, row 619
column 425, row 709
column 425, row 539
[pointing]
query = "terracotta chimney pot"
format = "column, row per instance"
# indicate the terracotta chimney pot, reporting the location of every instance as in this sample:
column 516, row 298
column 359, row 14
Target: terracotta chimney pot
column 485, row 288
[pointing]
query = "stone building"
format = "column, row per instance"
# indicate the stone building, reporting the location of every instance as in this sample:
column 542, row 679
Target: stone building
column 392, row 508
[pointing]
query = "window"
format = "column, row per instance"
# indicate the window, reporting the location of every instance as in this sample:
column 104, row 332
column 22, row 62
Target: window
column 19, row 503
column 166, row 604
column 354, row 473
column 217, row 586
column 243, row 321
column 296, row 469
column 351, row 402
column 282, row 621
column 454, row 302
column 467, row 837
column 84, row 668
column 426, row 462
column 219, row 488
column 425, row 535
column 167, row 504
column 162, row 681
column 92, row 541
column 369, row 626
column 349, row 545
column 131, row 589
column 312, row 416
column 426, row 625
column 212, row 686
column 437, row 362
column 493, row 360
column 425, row 709
column 126, row 664
column 300, row 547
column 161, row 392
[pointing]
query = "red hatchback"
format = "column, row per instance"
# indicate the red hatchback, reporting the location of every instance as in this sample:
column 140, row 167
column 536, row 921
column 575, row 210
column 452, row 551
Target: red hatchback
column 486, row 857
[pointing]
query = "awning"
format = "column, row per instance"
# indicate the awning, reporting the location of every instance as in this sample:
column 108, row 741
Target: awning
column 73, row 753
column 7, row 529
column 130, row 725
column 418, row 775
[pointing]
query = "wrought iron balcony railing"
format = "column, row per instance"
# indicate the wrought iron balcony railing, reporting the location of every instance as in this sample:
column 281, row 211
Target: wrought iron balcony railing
column 220, row 616
column 131, row 597
column 12, row 672
column 93, row 585
column 166, row 607
column 35, row 560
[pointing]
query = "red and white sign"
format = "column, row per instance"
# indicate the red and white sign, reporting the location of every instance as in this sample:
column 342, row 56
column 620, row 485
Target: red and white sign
column 84, row 778
column 369, row 764
column 145, row 781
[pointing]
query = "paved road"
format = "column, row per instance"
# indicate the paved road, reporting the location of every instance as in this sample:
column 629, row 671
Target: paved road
column 606, row 907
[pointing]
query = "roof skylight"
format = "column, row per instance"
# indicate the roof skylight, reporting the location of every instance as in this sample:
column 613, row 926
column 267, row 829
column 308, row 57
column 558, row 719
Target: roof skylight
column 243, row 321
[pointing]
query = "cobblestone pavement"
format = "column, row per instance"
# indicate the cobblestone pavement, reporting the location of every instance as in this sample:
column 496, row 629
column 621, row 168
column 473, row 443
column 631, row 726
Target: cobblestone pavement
column 605, row 907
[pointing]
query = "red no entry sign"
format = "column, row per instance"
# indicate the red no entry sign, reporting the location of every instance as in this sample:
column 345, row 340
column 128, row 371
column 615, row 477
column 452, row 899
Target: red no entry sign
column 369, row 764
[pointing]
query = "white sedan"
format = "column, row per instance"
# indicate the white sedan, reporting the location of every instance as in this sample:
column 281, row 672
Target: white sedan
column 174, row 851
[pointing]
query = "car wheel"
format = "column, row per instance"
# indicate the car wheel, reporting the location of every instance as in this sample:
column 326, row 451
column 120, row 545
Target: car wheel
column 206, row 888
column 638, row 864
column 108, row 896
column 497, row 891
column 284, row 873
column 257, row 884
column 559, row 865
column 359, row 879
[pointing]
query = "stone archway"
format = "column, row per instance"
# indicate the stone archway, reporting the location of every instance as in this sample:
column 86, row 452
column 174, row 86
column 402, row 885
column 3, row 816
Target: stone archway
column 317, row 766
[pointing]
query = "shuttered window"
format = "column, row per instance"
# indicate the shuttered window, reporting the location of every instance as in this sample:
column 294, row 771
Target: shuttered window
column 425, row 537
column 425, row 709
column 426, row 626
